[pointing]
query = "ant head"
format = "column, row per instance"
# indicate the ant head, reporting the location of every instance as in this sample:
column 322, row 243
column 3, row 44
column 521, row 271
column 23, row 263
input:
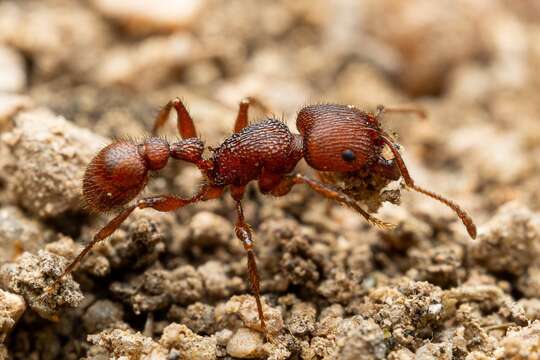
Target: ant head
column 337, row 137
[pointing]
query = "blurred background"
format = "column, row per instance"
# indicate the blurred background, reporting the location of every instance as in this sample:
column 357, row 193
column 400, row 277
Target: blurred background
column 109, row 65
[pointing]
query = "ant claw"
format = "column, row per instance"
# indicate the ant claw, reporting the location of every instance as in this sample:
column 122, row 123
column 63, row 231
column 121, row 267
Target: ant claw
column 269, row 338
column 46, row 293
column 50, row 290
column 382, row 224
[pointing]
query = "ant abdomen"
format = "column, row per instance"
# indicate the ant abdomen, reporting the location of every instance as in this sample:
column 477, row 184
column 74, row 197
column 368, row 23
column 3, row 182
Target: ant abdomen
column 115, row 176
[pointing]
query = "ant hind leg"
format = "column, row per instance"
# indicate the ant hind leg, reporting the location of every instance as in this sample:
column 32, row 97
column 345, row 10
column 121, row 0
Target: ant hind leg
column 243, row 233
column 185, row 125
column 164, row 203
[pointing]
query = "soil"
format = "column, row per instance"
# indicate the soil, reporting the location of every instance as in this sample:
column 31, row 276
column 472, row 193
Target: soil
column 76, row 74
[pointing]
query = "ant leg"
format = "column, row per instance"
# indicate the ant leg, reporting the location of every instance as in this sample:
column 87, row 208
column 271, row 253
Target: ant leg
column 163, row 203
column 462, row 214
column 185, row 125
column 102, row 234
column 330, row 193
column 418, row 111
column 243, row 233
column 242, row 117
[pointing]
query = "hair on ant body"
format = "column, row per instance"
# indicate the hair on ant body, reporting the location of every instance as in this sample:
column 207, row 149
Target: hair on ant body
column 332, row 138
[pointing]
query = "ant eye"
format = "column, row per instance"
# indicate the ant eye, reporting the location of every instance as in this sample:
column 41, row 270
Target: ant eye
column 348, row 155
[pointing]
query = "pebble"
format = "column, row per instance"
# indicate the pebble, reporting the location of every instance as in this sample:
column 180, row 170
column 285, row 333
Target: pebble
column 246, row 344
column 208, row 228
column 10, row 104
column 190, row 345
column 32, row 274
column 12, row 306
column 12, row 71
column 18, row 234
column 246, row 308
column 140, row 16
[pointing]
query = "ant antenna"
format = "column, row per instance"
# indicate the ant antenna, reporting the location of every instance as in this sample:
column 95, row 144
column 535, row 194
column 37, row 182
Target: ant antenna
column 465, row 218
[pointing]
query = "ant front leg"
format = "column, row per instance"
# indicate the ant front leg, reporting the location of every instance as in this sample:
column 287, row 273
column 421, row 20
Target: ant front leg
column 328, row 192
column 185, row 125
column 243, row 233
column 242, row 117
column 164, row 203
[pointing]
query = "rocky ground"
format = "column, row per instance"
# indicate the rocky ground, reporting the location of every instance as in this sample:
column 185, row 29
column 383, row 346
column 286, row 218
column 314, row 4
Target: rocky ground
column 75, row 74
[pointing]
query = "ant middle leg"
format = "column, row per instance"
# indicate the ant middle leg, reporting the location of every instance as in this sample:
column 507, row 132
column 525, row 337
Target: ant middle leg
column 328, row 192
column 163, row 203
column 185, row 125
column 242, row 117
column 243, row 233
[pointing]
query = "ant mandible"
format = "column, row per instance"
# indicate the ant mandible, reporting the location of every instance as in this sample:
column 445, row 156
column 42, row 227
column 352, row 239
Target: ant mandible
column 333, row 138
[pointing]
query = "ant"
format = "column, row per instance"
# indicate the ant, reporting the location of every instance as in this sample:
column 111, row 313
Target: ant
column 332, row 138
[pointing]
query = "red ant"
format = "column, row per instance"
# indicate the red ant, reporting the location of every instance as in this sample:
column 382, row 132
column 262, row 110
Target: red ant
column 333, row 138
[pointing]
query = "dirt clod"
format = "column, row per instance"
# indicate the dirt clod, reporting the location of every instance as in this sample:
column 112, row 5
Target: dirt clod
column 245, row 344
column 11, row 308
column 32, row 274
column 510, row 241
column 49, row 158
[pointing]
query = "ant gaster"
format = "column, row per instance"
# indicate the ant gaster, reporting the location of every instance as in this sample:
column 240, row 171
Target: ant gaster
column 333, row 138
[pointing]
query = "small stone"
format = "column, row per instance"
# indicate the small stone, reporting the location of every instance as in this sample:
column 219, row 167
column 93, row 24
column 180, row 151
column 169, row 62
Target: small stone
column 101, row 314
column 208, row 228
column 10, row 104
column 302, row 318
column 246, row 344
column 520, row 343
column 18, row 234
column 246, row 308
column 140, row 16
column 190, row 345
column 32, row 274
column 127, row 344
column 12, row 72
column 441, row 351
column 199, row 318
column 12, row 306
column 360, row 338
column 185, row 285
column 510, row 241
column 215, row 279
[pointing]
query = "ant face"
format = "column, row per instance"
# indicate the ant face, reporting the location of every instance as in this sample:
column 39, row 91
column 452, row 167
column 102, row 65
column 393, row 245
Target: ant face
column 339, row 140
